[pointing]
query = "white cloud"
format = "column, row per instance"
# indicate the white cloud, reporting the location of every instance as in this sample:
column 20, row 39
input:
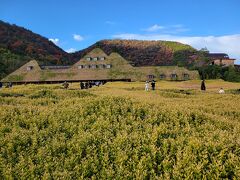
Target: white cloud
column 228, row 44
column 77, row 37
column 55, row 41
column 71, row 50
column 173, row 29
column 154, row 28
column 110, row 22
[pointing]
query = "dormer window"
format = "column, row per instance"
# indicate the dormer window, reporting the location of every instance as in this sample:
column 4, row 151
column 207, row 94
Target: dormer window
column 101, row 66
column 108, row 66
column 173, row 76
column 150, row 76
column 29, row 68
column 186, row 76
column 86, row 66
column 162, row 76
column 95, row 59
column 80, row 67
column 93, row 66
column 88, row 58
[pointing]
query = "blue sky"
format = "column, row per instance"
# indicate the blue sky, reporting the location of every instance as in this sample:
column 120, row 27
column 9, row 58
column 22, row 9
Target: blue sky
column 74, row 25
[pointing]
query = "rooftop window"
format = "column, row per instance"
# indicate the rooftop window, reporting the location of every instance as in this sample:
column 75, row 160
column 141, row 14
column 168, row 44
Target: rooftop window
column 150, row 76
column 102, row 58
column 101, row 66
column 80, row 67
column 173, row 76
column 88, row 58
column 108, row 66
column 93, row 66
column 186, row 76
column 86, row 66
column 162, row 76
column 29, row 68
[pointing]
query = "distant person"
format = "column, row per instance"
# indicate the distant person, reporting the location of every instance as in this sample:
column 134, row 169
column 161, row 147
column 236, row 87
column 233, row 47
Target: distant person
column 153, row 85
column 86, row 85
column 203, row 86
column 1, row 85
column 221, row 91
column 10, row 84
column 146, row 86
column 97, row 83
column 90, row 84
column 65, row 85
column 81, row 85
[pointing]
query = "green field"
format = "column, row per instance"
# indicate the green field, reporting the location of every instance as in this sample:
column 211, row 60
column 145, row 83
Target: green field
column 119, row 131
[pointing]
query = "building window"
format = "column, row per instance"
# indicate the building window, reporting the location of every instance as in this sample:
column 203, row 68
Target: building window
column 86, row 66
column 95, row 58
column 29, row 68
column 186, row 76
column 93, row 66
column 162, row 76
column 80, row 67
column 108, row 66
column 88, row 58
column 102, row 58
column 174, row 76
column 150, row 76
column 101, row 66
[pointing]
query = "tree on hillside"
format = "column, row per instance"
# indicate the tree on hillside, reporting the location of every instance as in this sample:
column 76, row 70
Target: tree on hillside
column 204, row 50
column 182, row 58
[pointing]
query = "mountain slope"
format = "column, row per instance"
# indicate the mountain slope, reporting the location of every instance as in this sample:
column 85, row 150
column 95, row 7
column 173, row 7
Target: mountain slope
column 24, row 42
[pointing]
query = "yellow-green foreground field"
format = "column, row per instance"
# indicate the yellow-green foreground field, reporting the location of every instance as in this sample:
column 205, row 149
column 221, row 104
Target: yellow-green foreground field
column 120, row 131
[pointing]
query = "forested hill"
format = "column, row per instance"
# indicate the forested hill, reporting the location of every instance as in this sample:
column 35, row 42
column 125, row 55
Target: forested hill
column 24, row 42
column 18, row 45
column 142, row 53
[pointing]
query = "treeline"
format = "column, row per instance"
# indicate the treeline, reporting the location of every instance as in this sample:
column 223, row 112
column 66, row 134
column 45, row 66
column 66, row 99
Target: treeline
column 218, row 72
column 10, row 61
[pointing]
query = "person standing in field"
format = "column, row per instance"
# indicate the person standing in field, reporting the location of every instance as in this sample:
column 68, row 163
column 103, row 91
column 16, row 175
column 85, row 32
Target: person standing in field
column 81, row 85
column 9, row 85
column 65, row 85
column 203, row 86
column 97, row 83
column 153, row 85
column 86, row 85
column 146, row 86
column 89, row 84
column 221, row 91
